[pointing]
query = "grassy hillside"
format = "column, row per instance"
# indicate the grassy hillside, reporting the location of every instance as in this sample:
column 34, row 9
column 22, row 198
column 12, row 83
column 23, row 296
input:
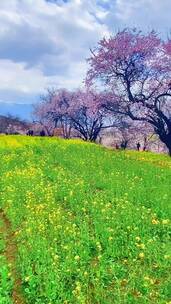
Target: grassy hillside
column 87, row 225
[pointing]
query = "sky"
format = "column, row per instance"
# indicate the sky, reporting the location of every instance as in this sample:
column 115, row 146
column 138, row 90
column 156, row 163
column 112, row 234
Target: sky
column 45, row 43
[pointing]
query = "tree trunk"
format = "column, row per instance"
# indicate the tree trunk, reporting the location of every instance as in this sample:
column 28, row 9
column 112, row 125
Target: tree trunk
column 168, row 144
column 166, row 139
column 169, row 149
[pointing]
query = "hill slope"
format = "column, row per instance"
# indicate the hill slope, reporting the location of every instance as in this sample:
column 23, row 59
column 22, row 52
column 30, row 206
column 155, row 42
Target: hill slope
column 91, row 225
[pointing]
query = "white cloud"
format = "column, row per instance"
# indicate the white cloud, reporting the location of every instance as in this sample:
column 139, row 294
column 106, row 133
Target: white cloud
column 46, row 42
column 144, row 14
column 16, row 77
column 43, row 43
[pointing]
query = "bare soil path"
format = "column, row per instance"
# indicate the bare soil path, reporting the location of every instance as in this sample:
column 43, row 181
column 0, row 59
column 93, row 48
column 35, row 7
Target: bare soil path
column 10, row 254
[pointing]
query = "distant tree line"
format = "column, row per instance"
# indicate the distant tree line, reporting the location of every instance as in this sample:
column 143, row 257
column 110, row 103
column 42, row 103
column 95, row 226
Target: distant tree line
column 12, row 125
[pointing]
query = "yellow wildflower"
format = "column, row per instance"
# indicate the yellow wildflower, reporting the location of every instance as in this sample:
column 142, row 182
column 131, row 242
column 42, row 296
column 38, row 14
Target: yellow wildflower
column 141, row 255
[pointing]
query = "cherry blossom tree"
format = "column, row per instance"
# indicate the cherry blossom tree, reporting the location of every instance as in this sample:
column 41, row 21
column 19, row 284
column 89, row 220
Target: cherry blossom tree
column 52, row 112
column 87, row 114
column 40, row 112
column 58, row 110
column 80, row 110
column 136, row 69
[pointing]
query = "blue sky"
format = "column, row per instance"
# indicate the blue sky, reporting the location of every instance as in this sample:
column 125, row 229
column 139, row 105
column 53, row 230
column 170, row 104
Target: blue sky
column 45, row 43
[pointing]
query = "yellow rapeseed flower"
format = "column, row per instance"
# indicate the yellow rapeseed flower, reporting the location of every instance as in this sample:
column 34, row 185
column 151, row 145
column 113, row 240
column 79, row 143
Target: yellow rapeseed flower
column 165, row 222
column 155, row 221
column 110, row 238
column 141, row 255
column 27, row 279
column 77, row 258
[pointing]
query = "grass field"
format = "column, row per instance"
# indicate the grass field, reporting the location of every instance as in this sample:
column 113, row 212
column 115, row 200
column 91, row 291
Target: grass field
column 80, row 224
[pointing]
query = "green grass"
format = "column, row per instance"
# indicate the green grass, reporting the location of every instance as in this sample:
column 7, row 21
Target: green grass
column 5, row 275
column 92, row 225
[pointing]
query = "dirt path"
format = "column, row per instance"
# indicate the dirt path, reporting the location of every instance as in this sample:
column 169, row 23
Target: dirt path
column 10, row 254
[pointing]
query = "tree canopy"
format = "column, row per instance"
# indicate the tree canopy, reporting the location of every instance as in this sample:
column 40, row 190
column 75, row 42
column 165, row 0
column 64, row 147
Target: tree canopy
column 135, row 69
